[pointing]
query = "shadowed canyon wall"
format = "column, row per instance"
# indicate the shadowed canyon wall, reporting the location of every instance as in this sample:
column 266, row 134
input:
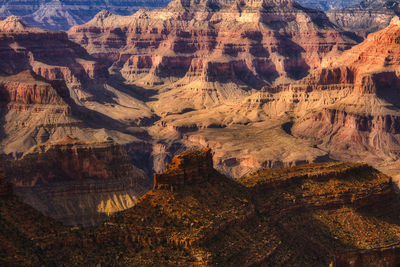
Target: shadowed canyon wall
column 75, row 182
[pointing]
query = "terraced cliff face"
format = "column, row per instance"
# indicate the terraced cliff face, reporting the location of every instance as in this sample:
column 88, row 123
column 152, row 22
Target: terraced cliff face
column 366, row 16
column 51, row 87
column 201, row 54
column 63, row 14
column 346, row 109
column 366, row 117
column 292, row 216
column 198, row 61
column 75, row 182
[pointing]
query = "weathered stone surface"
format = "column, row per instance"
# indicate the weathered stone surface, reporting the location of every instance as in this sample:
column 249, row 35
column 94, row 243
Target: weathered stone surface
column 313, row 214
column 63, row 14
column 216, row 48
column 187, row 168
column 76, row 182
column 51, row 87
column 365, row 16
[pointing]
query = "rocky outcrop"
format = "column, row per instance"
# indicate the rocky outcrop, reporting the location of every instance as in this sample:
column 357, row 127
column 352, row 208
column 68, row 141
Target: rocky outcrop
column 355, row 196
column 186, row 168
column 69, row 159
column 51, row 87
column 309, row 215
column 348, row 134
column 62, row 14
column 347, row 107
column 220, row 49
column 365, row 16
column 77, row 182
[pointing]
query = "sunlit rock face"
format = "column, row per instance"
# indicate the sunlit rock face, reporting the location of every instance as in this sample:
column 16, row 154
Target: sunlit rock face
column 249, row 42
column 51, row 87
column 356, row 113
column 200, row 61
column 75, row 182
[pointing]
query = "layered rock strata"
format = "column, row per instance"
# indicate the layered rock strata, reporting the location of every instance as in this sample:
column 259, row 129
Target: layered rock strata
column 349, row 106
column 290, row 216
column 51, row 87
column 365, row 16
column 211, row 52
column 63, row 14
column 77, row 182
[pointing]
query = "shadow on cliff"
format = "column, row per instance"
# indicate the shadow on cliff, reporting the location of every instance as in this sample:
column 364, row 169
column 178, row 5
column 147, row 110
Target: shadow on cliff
column 294, row 64
column 305, row 237
column 3, row 112
column 143, row 94
column 4, row 100
column 386, row 209
column 92, row 118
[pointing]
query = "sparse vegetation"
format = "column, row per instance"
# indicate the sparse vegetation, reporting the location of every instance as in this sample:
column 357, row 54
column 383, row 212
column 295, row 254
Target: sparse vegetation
column 302, row 216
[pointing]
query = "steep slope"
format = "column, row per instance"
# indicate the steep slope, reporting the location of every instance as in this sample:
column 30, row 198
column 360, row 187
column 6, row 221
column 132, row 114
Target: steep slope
column 195, row 216
column 366, row 118
column 75, row 182
column 348, row 108
column 21, row 227
column 366, row 16
column 51, row 87
column 63, row 14
column 201, row 54
column 53, row 16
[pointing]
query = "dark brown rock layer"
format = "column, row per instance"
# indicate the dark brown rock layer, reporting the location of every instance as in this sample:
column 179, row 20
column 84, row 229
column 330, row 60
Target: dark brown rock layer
column 187, row 168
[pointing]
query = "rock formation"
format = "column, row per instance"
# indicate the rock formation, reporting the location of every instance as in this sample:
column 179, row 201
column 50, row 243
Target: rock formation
column 77, row 182
column 348, row 107
column 365, row 16
column 63, row 14
column 313, row 214
column 50, row 87
column 197, row 61
column 366, row 116
column 199, row 54
column 185, row 169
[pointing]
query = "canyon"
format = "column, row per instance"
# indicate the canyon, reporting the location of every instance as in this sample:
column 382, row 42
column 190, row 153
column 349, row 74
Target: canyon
column 63, row 14
column 290, row 216
column 75, row 182
column 261, row 92
column 271, row 133
column 200, row 61
column 163, row 81
column 50, row 89
column 365, row 16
